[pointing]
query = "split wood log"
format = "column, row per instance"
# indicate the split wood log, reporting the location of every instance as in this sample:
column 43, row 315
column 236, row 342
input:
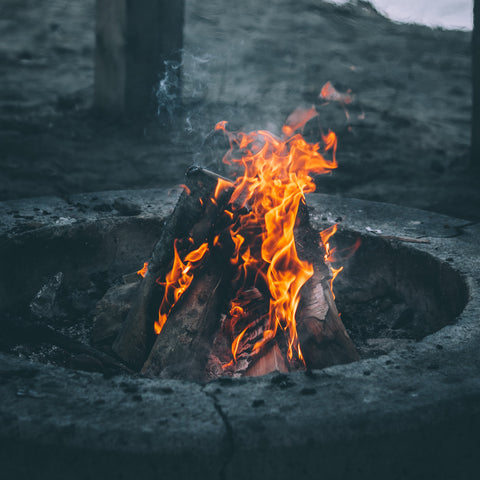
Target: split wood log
column 323, row 338
column 182, row 348
column 194, row 216
column 271, row 360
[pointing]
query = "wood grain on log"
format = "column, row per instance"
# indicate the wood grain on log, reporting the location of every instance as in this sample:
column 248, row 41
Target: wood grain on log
column 271, row 360
column 322, row 335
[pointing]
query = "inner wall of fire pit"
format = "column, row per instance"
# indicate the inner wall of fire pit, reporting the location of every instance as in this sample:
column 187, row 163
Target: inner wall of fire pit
column 389, row 294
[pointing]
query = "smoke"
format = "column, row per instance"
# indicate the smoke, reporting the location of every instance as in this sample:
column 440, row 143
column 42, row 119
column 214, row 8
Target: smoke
column 167, row 93
column 182, row 83
column 184, row 105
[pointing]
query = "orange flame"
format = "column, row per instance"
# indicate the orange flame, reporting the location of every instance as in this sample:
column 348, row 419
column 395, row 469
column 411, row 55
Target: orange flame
column 222, row 185
column 331, row 94
column 143, row 271
column 275, row 180
column 331, row 254
column 177, row 281
column 262, row 216
column 298, row 119
column 187, row 190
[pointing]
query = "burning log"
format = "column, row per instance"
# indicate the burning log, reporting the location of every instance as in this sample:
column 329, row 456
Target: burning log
column 182, row 348
column 323, row 338
column 252, row 238
column 194, row 217
column 322, row 335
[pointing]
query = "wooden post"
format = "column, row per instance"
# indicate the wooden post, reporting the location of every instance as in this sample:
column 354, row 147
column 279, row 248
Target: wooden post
column 475, row 147
column 134, row 38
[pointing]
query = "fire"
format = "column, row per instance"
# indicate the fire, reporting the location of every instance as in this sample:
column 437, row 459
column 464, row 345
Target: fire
column 332, row 255
column 143, row 270
column 277, row 176
column 177, row 281
column 262, row 217
column 331, row 94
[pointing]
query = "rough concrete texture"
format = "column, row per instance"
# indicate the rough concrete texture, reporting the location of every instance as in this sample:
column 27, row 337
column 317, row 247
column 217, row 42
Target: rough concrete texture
column 414, row 413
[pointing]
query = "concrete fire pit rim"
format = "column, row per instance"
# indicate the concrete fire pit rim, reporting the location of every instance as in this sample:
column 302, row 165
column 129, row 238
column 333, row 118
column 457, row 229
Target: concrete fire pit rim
column 228, row 410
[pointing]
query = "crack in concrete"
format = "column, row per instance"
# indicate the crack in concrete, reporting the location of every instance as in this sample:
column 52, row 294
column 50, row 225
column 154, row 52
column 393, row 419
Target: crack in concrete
column 229, row 437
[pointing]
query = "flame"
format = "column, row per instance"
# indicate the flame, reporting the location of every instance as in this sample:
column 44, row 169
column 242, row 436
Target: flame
column 325, row 236
column 177, row 281
column 277, row 176
column 187, row 190
column 332, row 254
column 261, row 219
column 143, row 271
column 331, row 94
column 298, row 119
column 236, row 343
column 222, row 185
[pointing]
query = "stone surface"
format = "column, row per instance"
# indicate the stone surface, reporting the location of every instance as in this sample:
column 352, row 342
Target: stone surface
column 414, row 413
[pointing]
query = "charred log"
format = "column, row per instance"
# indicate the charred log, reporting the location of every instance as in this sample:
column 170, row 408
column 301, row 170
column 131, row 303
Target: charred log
column 194, row 216
column 182, row 348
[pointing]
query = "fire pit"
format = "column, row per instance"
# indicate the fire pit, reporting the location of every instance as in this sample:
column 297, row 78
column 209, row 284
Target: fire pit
column 410, row 408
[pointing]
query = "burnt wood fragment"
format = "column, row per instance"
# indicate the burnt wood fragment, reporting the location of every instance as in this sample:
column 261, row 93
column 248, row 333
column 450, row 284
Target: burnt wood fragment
column 251, row 324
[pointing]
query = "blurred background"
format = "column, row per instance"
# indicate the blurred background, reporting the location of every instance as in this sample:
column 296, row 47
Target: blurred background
column 406, row 66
